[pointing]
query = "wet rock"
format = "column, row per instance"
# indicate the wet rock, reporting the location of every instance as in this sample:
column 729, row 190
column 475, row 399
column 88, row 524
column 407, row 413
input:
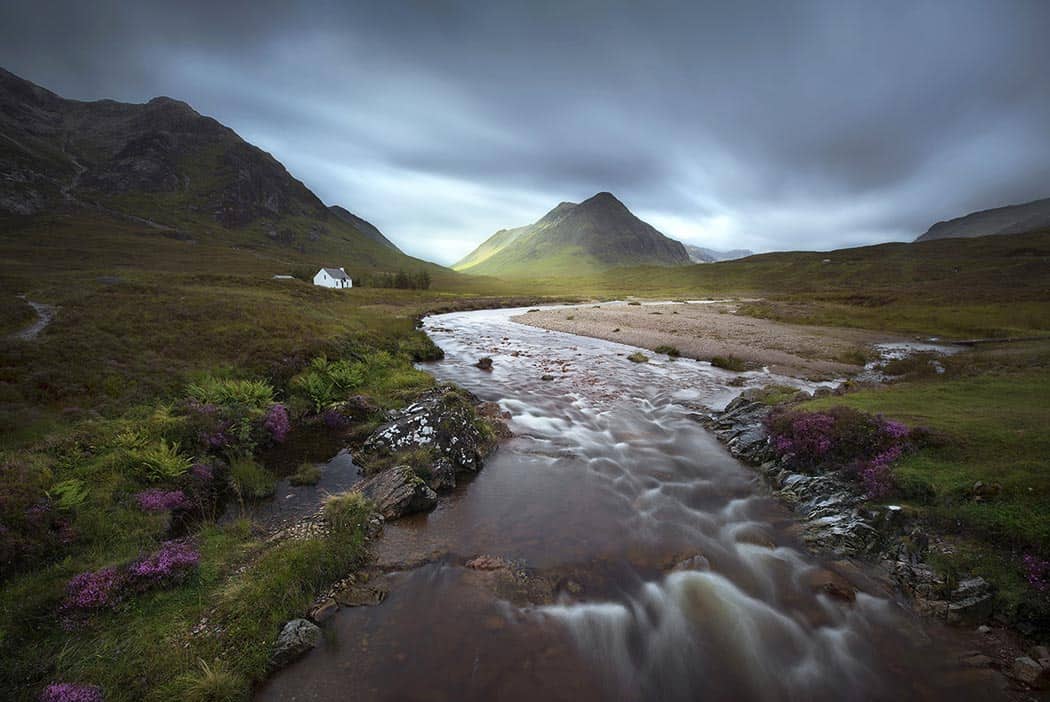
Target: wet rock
column 296, row 638
column 443, row 421
column 1041, row 655
column 442, row 475
column 397, row 492
column 1030, row 673
column 974, row 659
column 972, row 601
column 356, row 595
column 487, row 563
column 358, row 407
column 546, row 376
column 832, row 584
column 695, row 562
column 484, row 363
column 324, row 611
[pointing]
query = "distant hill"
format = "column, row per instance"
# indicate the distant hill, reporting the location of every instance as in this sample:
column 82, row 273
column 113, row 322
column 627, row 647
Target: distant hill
column 364, row 226
column 1013, row 219
column 700, row 254
column 573, row 239
column 164, row 165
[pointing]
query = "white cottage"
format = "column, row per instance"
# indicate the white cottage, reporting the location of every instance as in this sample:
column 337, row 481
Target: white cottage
column 333, row 278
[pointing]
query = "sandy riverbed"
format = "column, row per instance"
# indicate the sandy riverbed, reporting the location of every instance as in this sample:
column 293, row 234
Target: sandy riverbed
column 706, row 330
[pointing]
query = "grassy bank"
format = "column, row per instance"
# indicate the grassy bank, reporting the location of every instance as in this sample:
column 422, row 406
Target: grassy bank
column 984, row 479
column 166, row 356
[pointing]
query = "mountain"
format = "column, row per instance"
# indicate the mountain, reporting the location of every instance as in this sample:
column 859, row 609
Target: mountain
column 1012, row 219
column 594, row 235
column 164, row 165
column 364, row 226
column 700, row 254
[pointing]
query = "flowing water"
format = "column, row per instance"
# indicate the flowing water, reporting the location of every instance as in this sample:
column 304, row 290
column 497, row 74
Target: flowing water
column 666, row 572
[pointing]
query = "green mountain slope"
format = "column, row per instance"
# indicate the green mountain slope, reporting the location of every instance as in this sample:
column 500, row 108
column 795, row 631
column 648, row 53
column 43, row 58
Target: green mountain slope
column 163, row 165
column 573, row 239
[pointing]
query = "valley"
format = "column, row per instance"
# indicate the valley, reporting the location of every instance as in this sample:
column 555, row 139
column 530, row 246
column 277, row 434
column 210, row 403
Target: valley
column 193, row 458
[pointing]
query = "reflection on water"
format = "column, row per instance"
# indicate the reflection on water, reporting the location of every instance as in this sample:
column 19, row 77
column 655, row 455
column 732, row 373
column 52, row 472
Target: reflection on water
column 670, row 574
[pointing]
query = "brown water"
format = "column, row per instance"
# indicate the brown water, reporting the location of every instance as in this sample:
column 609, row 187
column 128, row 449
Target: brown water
column 609, row 483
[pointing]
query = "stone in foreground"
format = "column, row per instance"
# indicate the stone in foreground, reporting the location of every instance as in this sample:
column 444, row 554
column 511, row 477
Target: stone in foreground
column 397, row 492
column 297, row 637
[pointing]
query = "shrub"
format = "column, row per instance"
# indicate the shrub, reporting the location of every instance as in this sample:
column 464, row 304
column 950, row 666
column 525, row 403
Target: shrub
column 171, row 563
column 29, row 524
column 68, row 494
column 334, row 418
column 100, row 589
column 669, row 350
column 225, row 391
column 307, row 474
column 277, row 423
column 638, row 357
column 319, row 390
column 864, row 446
column 347, row 511
column 162, row 462
column 156, row 500
column 730, row 363
column 250, row 480
column 1036, row 571
column 420, row 347
column 71, row 692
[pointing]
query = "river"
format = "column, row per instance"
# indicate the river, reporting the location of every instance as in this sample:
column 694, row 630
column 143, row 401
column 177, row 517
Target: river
column 675, row 576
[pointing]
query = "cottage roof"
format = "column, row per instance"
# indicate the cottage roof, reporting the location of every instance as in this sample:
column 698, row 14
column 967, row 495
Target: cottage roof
column 337, row 273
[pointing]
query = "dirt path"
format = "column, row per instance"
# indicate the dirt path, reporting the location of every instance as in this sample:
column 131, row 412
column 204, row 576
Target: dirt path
column 45, row 313
column 705, row 330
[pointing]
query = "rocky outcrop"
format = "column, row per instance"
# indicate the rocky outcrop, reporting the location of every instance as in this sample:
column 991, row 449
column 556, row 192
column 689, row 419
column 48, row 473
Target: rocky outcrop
column 296, row 638
column 836, row 518
column 397, row 492
column 831, row 509
column 445, row 432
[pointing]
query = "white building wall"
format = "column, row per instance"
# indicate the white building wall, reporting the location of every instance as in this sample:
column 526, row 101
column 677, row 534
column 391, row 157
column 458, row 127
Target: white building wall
column 326, row 281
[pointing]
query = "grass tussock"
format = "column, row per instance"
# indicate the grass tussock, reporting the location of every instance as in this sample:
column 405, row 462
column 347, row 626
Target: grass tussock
column 730, row 363
column 306, row 474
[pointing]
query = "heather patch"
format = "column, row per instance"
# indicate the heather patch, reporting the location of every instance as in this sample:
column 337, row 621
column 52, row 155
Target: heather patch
column 156, row 500
column 861, row 445
column 71, row 692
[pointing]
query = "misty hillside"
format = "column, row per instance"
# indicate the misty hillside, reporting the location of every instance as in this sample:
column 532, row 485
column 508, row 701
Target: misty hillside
column 594, row 235
column 1013, row 219
column 702, row 254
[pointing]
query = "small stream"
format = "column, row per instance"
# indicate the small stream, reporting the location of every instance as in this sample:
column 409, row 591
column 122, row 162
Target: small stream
column 672, row 574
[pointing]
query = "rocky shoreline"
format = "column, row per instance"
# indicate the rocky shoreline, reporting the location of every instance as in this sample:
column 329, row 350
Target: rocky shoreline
column 413, row 456
column 835, row 519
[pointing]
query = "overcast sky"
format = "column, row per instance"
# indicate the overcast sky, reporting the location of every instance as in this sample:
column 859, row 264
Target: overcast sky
column 768, row 126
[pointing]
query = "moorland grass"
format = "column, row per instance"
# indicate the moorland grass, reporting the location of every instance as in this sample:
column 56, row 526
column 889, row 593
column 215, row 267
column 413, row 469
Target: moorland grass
column 988, row 416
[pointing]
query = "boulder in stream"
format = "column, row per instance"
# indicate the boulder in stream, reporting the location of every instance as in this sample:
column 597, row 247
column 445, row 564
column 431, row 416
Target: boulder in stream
column 397, row 492
column 446, row 431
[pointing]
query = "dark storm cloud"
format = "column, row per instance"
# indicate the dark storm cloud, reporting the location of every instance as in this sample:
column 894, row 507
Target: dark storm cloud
column 766, row 125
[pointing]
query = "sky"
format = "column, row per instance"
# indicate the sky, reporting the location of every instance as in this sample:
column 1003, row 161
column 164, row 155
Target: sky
column 761, row 125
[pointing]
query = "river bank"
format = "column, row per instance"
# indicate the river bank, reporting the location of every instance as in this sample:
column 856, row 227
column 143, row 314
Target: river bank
column 613, row 550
